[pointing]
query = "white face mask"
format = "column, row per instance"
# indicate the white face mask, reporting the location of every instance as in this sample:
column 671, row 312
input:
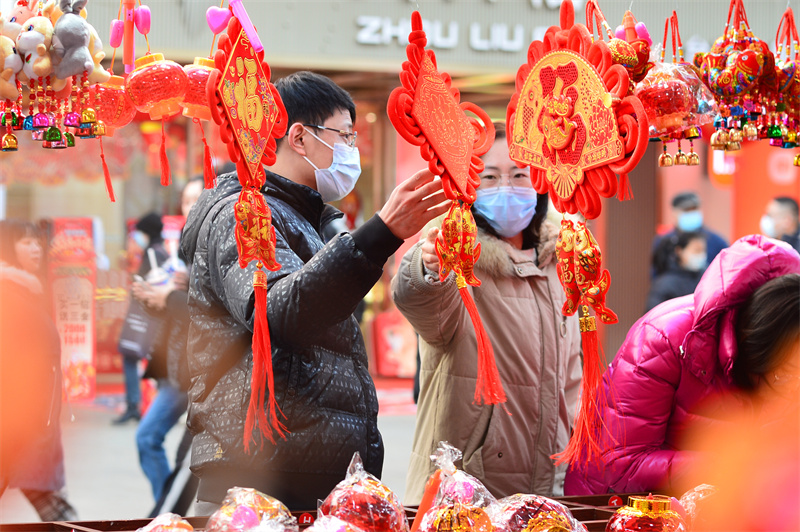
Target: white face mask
column 339, row 179
column 696, row 262
column 768, row 226
column 508, row 210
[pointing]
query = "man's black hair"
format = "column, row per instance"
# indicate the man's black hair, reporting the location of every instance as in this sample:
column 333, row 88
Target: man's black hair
column 312, row 98
column 790, row 204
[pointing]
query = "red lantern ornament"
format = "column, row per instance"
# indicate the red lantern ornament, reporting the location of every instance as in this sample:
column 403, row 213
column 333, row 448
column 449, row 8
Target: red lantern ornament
column 251, row 115
column 112, row 104
column 195, row 106
column 195, row 102
column 426, row 112
column 574, row 123
column 114, row 109
column 157, row 86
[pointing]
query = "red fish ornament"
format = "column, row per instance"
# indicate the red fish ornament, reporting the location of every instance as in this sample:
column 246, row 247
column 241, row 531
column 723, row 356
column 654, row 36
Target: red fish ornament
column 251, row 116
column 427, row 112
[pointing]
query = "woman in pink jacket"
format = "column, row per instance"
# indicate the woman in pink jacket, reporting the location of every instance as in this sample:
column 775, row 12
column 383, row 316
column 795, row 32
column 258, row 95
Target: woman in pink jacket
column 689, row 362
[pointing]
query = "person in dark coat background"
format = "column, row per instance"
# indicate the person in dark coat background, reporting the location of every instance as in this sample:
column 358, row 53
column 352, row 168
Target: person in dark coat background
column 321, row 380
column 680, row 261
column 31, row 454
column 146, row 235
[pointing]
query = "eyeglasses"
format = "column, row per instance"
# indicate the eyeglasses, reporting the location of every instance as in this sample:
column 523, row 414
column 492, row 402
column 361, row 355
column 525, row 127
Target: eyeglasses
column 349, row 138
column 517, row 178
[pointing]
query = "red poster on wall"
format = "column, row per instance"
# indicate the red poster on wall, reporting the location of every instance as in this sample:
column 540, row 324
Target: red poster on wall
column 72, row 275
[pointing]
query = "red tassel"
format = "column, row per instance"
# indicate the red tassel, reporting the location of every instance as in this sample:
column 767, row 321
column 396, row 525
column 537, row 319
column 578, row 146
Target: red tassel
column 625, row 192
column 489, row 385
column 164, row 159
column 109, row 185
column 583, row 446
column 262, row 376
column 209, row 176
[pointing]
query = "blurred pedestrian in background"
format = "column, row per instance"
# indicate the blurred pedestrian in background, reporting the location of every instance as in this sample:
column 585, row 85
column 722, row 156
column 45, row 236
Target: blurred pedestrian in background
column 167, row 364
column 690, row 363
column 145, row 236
column 31, row 455
column 680, row 261
column 782, row 220
column 688, row 216
column 537, row 349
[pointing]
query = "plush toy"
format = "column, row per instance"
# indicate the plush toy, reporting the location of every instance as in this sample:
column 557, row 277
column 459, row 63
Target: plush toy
column 33, row 44
column 71, row 38
column 97, row 74
column 52, row 10
column 10, row 65
column 23, row 10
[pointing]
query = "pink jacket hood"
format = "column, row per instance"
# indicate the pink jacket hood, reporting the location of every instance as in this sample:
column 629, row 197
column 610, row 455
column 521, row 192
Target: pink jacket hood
column 676, row 357
column 731, row 278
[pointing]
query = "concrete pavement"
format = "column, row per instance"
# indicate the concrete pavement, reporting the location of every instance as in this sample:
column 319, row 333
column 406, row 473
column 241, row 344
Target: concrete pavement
column 105, row 482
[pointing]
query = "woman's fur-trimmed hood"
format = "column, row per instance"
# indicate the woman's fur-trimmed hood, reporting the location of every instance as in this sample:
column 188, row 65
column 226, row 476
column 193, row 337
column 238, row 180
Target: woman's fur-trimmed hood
column 21, row 277
column 498, row 256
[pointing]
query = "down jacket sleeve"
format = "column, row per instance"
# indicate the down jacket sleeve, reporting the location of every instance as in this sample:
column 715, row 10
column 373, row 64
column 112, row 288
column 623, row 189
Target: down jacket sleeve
column 433, row 308
column 305, row 297
column 642, row 384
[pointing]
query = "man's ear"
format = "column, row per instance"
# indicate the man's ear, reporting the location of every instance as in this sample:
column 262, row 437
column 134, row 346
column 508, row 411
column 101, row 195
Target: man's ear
column 294, row 138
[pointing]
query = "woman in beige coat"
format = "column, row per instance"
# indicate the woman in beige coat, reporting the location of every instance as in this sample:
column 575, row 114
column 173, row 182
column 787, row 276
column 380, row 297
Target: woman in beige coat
column 536, row 348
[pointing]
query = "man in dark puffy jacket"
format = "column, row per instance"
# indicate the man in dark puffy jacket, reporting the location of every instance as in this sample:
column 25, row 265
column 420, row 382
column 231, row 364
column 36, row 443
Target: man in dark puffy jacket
column 322, row 384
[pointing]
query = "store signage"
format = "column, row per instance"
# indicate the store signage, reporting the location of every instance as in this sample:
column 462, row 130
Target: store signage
column 495, row 37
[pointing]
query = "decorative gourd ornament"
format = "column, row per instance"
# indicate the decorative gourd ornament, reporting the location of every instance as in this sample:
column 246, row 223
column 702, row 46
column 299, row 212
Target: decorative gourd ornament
column 428, row 113
column 573, row 122
column 241, row 73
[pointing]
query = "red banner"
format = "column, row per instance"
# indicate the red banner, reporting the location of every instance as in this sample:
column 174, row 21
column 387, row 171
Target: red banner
column 72, row 275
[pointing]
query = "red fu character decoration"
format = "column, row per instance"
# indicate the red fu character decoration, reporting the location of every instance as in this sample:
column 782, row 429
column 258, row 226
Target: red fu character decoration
column 251, row 116
column 574, row 123
column 426, row 112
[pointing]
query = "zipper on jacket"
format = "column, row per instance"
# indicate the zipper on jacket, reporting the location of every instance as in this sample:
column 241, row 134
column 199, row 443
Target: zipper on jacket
column 541, row 372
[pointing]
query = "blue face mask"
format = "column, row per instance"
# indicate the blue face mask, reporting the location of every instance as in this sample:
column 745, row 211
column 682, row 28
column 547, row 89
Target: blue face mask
column 508, row 210
column 690, row 221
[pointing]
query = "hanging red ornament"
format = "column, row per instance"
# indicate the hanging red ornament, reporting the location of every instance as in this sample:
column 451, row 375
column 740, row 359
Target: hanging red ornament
column 573, row 121
column 419, row 111
column 157, row 86
column 196, row 106
column 195, row 102
column 112, row 104
column 251, row 115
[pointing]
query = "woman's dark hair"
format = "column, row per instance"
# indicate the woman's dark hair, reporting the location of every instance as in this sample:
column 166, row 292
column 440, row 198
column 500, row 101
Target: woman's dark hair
column 767, row 322
column 530, row 235
column 11, row 232
column 664, row 256
column 311, row 98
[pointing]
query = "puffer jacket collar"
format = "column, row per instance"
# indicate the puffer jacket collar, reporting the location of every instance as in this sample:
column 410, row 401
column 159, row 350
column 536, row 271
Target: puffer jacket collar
column 726, row 284
column 307, row 201
column 495, row 252
column 18, row 276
